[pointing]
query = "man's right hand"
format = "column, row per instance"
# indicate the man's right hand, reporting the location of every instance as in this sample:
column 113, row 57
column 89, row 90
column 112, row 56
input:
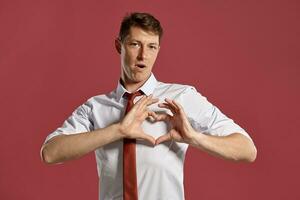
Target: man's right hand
column 71, row 146
column 130, row 126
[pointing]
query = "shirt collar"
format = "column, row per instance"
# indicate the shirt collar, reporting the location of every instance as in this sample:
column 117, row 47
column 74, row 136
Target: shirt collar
column 147, row 88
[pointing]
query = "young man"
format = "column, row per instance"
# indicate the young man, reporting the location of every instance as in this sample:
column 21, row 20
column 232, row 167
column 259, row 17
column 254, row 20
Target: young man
column 140, row 140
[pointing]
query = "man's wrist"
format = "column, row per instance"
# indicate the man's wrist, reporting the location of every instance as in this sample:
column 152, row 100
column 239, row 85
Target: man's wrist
column 196, row 139
column 118, row 130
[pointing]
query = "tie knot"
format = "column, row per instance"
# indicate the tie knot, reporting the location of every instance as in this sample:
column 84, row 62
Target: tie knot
column 131, row 96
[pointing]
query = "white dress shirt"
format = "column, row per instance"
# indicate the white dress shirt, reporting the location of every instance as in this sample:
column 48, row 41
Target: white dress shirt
column 159, row 168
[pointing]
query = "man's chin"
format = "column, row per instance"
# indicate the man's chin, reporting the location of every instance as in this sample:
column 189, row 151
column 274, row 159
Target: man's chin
column 137, row 78
column 141, row 78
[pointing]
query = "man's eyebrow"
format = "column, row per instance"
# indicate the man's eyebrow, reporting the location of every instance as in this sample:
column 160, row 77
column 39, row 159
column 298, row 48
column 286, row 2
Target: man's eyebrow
column 136, row 40
column 153, row 43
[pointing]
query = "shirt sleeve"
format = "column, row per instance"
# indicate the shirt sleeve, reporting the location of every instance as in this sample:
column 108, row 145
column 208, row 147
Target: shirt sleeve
column 205, row 117
column 78, row 122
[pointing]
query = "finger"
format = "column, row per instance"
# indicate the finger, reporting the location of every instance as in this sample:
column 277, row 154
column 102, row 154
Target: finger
column 163, row 105
column 167, row 106
column 163, row 138
column 140, row 102
column 162, row 117
column 144, row 103
column 149, row 101
column 152, row 116
column 152, row 101
column 170, row 102
column 181, row 112
column 144, row 115
column 178, row 106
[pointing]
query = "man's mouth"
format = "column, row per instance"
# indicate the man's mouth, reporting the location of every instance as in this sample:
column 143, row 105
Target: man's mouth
column 140, row 65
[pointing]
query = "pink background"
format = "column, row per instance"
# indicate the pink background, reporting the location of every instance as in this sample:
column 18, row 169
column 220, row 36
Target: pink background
column 242, row 55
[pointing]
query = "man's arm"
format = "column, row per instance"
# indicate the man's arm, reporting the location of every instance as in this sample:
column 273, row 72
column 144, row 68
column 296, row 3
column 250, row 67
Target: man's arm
column 235, row 147
column 66, row 147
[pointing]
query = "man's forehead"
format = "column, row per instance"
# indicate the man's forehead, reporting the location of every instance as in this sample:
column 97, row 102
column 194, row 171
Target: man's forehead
column 139, row 34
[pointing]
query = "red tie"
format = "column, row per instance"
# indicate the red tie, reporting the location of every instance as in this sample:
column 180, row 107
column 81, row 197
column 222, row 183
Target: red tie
column 130, row 191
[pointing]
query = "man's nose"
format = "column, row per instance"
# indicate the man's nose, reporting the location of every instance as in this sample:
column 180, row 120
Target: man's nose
column 142, row 54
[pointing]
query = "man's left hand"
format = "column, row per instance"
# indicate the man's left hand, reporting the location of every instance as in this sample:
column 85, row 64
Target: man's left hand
column 181, row 129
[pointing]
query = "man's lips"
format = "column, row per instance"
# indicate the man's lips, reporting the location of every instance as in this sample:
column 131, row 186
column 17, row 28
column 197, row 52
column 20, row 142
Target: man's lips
column 140, row 65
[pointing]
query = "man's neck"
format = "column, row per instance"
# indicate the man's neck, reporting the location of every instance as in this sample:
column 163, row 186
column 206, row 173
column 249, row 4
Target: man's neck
column 132, row 86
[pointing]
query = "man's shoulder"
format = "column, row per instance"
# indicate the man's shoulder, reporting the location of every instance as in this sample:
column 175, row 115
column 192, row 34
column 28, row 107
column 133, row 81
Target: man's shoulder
column 175, row 88
column 101, row 98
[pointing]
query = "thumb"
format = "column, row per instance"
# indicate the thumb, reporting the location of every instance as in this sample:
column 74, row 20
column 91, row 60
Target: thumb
column 148, row 138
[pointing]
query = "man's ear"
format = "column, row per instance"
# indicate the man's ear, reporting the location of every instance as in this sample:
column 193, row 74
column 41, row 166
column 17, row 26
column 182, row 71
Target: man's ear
column 118, row 45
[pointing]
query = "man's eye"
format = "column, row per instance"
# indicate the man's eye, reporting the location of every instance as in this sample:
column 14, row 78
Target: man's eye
column 153, row 47
column 134, row 44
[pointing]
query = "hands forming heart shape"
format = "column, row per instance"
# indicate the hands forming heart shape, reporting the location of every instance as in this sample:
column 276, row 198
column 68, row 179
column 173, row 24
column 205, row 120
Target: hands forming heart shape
column 180, row 131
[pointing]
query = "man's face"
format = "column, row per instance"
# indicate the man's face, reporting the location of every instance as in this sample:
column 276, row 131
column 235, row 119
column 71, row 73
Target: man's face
column 138, row 51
